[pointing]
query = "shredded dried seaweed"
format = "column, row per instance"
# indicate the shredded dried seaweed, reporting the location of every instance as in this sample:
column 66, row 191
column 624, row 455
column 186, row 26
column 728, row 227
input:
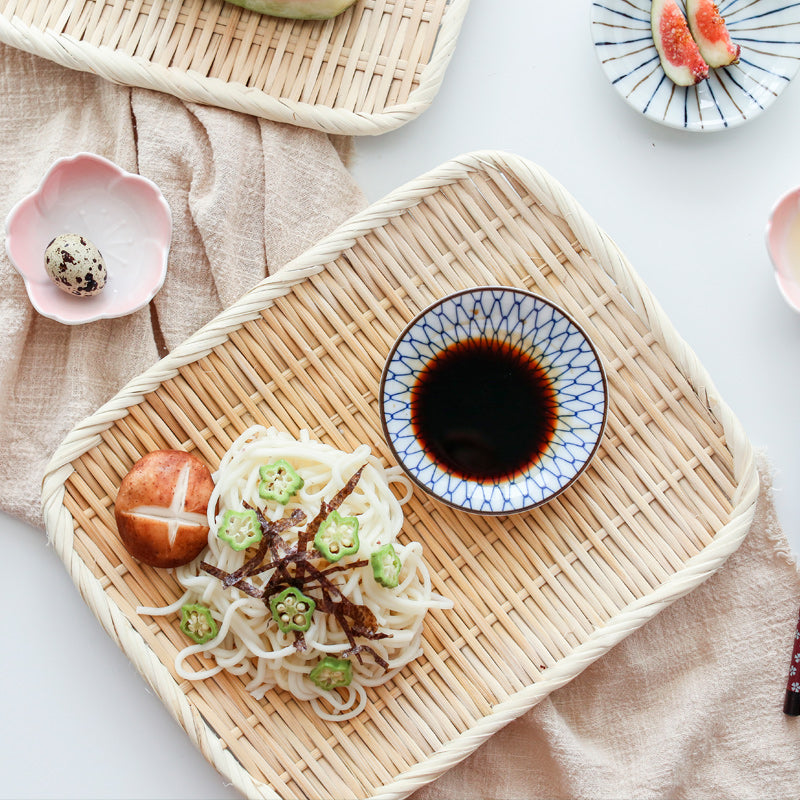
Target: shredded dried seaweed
column 298, row 566
column 271, row 536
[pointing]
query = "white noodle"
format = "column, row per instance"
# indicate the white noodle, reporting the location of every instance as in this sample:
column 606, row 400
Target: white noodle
column 249, row 642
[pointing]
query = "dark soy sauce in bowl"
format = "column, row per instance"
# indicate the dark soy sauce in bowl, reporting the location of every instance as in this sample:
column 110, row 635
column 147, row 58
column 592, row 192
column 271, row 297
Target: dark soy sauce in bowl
column 484, row 410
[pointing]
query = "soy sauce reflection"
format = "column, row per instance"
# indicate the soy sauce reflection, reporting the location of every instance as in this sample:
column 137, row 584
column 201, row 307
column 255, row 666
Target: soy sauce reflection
column 484, row 410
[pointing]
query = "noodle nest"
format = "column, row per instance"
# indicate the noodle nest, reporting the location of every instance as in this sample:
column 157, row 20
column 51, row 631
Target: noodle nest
column 249, row 642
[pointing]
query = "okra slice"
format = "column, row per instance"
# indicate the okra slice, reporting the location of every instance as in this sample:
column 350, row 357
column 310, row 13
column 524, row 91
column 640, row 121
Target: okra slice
column 337, row 537
column 331, row 673
column 279, row 481
column 197, row 623
column 240, row 529
column 386, row 566
column 292, row 610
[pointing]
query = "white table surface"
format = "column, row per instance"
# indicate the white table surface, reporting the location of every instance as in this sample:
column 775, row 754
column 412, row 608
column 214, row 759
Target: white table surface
column 688, row 210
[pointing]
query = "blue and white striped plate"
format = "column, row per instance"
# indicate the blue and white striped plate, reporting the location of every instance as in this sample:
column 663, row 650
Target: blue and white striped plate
column 767, row 30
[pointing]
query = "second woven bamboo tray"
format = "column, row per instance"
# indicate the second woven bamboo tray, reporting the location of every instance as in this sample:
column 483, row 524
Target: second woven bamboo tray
column 370, row 70
column 537, row 596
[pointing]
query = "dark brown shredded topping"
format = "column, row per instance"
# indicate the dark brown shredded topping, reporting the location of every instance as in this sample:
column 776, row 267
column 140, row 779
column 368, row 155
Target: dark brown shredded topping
column 297, row 566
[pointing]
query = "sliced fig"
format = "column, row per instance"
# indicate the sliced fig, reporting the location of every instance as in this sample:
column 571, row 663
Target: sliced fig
column 711, row 33
column 678, row 51
column 296, row 9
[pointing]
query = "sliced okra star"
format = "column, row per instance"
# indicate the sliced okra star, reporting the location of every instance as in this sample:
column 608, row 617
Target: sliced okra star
column 292, row 610
column 197, row 623
column 240, row 529
column 337, row 537
column 386, row 566
column 331, row 673
column 279, row 481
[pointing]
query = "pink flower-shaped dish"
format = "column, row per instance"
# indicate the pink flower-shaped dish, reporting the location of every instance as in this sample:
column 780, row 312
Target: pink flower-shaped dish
column 783, row 245
column 123, row 214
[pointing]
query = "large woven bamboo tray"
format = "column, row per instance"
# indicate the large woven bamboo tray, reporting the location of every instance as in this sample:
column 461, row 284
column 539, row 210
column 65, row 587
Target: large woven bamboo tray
column 538, row 596
column 375, row 67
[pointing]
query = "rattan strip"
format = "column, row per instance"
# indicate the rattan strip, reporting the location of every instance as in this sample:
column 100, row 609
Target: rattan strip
column 368, row 71
column 630, row 556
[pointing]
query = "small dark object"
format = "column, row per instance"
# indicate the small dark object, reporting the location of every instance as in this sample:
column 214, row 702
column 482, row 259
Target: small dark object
column 791, row 704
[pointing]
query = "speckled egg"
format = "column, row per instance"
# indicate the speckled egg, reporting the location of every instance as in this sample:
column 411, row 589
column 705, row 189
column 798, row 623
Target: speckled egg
column 75, row 265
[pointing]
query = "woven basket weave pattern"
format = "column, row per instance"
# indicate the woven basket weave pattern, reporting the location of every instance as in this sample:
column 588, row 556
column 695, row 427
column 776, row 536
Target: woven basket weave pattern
column 373, row 68
column 537, row 596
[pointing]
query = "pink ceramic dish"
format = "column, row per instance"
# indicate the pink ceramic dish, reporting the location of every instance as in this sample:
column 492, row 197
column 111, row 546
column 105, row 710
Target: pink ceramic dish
column 783, row 244
column 123, row 214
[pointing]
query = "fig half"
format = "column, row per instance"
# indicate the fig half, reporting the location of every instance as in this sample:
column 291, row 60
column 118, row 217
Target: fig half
column 296, row 9
column 679, row 54
column 711, row 33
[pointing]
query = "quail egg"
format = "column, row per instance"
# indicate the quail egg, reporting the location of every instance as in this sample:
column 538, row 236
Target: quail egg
column 75, row 265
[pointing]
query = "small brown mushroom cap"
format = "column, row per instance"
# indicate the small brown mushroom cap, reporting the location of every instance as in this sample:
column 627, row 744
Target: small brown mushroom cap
column 161, row 508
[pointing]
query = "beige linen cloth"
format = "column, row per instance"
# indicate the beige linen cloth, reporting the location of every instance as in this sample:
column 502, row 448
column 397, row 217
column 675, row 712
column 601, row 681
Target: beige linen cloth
column 246, row 196
column 687, row 707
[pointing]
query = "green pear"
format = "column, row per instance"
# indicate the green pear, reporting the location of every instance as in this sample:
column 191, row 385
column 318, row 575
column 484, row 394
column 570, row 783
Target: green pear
column 296, row 9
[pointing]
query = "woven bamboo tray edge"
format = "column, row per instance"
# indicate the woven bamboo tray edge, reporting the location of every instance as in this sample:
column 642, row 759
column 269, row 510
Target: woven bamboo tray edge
column 60, row 525
column 190, row 86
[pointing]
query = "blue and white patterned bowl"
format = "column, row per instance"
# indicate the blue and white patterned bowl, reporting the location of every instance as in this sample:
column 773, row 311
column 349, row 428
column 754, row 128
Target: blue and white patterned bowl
column 537, row 330
column 768, row 32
